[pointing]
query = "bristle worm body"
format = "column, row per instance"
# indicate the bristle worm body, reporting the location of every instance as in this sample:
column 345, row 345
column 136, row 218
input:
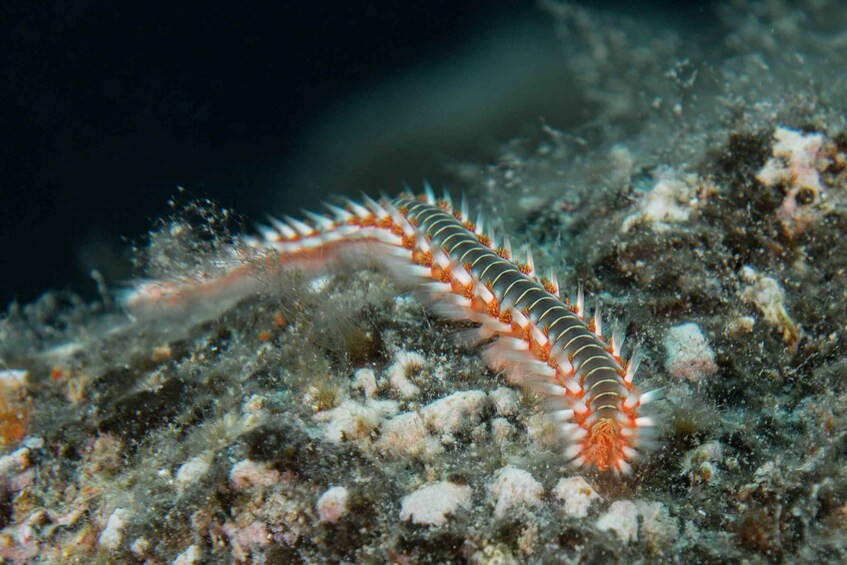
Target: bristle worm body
column 539, row 339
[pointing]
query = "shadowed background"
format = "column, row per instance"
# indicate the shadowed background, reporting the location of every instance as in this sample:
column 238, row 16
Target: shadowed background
column 107, row 108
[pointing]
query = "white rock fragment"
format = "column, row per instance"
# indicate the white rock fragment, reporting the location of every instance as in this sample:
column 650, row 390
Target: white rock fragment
column 765, row 471
column 505, row 400
column 664, row 203
column 767, row 295
column 15, row 462
column 403, row 433
column 33, row 442
column 493, row 554
column 479, row 433
column 449, row 414
column 794, row 161
column 192, row 471
column 113, row 533
column 406, row 434
column 190, row 556
column 501, row 429
column 621, row 519
column 15, row 377
column 140, row 547
column 688, row 354
column 701, row 462
column 514, row 488
column 332, row 504
column 431, row 504
column 794, row 166
column 622, row 164
column 255, row 403
column 365, row 380
column 541, row 430
column 740, row 325
column 576, row 495
column 658, row 528
column 353, row 420
column 254, row 413
column 669, row 202
column 405, row 363
column 247, row 473
column 318, row 284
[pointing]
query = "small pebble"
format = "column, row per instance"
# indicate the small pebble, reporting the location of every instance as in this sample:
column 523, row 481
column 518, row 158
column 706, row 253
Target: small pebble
column 514, row 488
column 332, row 504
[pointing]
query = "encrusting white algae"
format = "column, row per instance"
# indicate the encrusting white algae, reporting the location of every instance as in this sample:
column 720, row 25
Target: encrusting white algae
column 301, row 416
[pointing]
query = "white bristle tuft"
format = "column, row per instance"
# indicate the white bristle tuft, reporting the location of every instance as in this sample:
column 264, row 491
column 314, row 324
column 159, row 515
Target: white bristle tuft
column 617, row 341
column 530, row 262
column 430, row 195
column 472, row 337
column 645, row 422
column 598, row 322
column 551, row 389
column 321, row 222
column 460, row 274
column 456, row 300
column 441, row 259
column 541, row 369
column 375, row 207
column 392, row 250
column 565, row 365
column 580, row 302
column 341, row 214
column 538, row 336
column 482, row 291
column 283, row 228
column 463, row 209
column 447, row 198
column 580, row 407
column 438, row 288
column 518, row 318
column 302, row 228
column 624, row 467
column 632, row 366
column 573, row 450
column 551, row 278
column 252, row 241
column 561, row 415
column 507, row 245
column 574, row 432
column 480, row 224
column 360, row 211
column 589, row 421
column 650, row 396
column 397, row 217
column 492, row 324
column 513, row 343
column 267, row 233
column 573, row 386
column 578, row 462
column 630, row 453
column 412, row 271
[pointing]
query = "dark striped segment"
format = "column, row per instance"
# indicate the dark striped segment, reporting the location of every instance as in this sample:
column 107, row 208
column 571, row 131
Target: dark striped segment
column 596, row 368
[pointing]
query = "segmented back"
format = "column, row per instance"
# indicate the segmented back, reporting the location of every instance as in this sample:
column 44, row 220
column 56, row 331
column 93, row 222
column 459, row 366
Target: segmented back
column 538, row 338
column 543, row 341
